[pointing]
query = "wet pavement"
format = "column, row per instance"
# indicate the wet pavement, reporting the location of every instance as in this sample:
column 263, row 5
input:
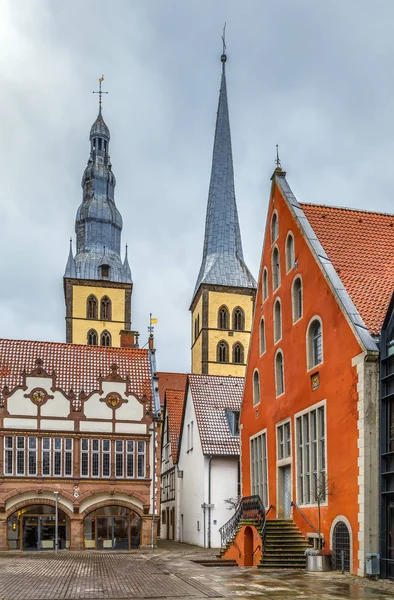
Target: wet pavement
column 168, row 572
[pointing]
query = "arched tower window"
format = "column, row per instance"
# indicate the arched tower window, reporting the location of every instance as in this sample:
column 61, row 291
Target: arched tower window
column 262, row 336
column 222, row 352
column 238, row 319
column 265, row 284
column 196, row 327
column 297, row 299
column 91, row 307
column 106, row 338
column 256, row 387
column 104, row 271
column 279, row 373
column 275, row 269
column 277, row 321
column 105, row 309
column 92, row 337
column 289, row 252
column 238, row 354
column 314, row 344
column 223, row 318
column 274, row 228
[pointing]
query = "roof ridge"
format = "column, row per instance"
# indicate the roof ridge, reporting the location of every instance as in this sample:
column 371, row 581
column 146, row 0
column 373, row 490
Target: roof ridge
column 69, row 345
column 349, row 209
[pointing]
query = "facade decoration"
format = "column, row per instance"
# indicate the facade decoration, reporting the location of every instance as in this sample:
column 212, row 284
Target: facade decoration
column 86, row 431
column 223, row 298
column 97, row 283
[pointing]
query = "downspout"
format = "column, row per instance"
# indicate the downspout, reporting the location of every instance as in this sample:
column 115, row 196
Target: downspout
column 153, row 484
column 209, row 500
column 156, row 409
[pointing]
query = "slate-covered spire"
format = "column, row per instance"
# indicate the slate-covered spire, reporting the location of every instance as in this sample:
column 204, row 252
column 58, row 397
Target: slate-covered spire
column 98, row 223
column 223, row 262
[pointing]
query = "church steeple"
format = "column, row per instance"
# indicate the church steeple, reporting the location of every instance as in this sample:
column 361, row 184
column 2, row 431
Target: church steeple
column 97, row 263
column 223, row 261
column 223, row 298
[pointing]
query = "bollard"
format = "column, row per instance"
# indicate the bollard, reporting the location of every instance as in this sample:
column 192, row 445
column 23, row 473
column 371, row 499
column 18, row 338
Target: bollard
column 343, row 562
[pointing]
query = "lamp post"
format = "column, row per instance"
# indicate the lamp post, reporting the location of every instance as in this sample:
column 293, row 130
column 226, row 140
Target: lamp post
column 56, row 521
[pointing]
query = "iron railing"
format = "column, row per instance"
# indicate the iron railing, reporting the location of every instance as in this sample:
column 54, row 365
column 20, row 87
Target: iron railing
column 319, row 535
column 250, row 508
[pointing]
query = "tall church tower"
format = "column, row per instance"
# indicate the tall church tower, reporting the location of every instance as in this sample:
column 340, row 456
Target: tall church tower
column 97, row 284
column 223, row 299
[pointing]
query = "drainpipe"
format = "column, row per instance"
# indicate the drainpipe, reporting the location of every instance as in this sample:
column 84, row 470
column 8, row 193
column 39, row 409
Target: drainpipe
column 209, row 500
column 153, row 483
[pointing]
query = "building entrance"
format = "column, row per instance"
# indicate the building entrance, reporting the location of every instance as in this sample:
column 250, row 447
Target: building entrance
column 33, row 528
column 112, row 528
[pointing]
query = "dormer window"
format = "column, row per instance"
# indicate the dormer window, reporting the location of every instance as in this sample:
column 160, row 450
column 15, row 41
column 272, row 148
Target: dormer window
column 104, row 270
column 233, row 421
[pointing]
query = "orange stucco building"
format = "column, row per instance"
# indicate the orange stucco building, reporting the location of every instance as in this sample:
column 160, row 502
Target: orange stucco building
column 309, row 419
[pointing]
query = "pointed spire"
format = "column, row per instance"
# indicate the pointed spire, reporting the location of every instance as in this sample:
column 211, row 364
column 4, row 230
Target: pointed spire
column 70, row 266
column 223, row 262
column 126, row 266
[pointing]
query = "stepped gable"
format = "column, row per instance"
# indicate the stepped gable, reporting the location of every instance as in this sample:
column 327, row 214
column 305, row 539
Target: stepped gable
column 360, row 245
column 212, row 396
column 171, row 381
column 174, row 401
column 77, row 367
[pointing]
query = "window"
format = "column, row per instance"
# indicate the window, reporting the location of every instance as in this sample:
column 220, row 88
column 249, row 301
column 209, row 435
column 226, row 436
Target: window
column 100, row 144
column 95, row 468
column 106, row 338
column 314, row 344
column 91, row 307
column 311, row 456
column 262, row 336
column 196, row 327
column 8, row 455
column 256, row 388
column 279, row 373
column 84, row 458
column 32, row 456
column 223, row 318
column 238, row 354
column 274, row 228
column 275, row 269
column 106, row 458
column 129, row 458
column 233, row 421
column 277, row 321
column 238, row 319
column 283, row 440
column 92, row 337
column 222, row 352
column 258, row 464
column 118, row 458
column 68, row 457
column 265, row 284
column 289, row 252
column 297, row 299
column 105, row 309
column 141, row 459
column 57, row 456
column 104, row 270
column 20, row 455
column 46, row 455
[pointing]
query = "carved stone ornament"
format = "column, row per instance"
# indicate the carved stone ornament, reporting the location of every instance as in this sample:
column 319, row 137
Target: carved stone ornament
column 38, row 396
column 76, row 491
column 113, row 400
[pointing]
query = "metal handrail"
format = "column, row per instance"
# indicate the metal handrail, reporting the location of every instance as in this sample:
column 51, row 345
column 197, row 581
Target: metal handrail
column 321, row 539
column 249, row 508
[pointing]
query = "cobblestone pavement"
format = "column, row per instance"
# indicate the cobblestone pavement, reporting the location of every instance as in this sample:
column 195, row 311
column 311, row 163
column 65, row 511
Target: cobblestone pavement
column 168, row 572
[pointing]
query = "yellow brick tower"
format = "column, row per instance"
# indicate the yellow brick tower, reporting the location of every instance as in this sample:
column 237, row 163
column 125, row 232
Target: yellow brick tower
column 97, row 284
column 223, row 299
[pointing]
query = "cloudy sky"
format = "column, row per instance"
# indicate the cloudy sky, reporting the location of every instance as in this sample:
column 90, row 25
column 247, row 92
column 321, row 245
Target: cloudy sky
column 314, row 76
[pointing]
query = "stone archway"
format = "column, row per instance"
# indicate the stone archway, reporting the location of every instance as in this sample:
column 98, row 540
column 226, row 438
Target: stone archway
column 111, row 526
column 31, row 525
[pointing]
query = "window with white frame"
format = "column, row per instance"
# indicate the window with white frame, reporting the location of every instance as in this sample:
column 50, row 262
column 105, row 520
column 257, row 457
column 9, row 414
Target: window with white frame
column 57, row 456
column 68, row 457
column 256, row 387
column 262, row 336
column 265, row 284
column 277, row 321
column 289, row 252
column 141, row 459
column 32, row 455
column 106, row 458
column 275, row 269
column 8, row 455
column 130, row 458
column 259, row 467
column 46, row 455
column 84, row 457
column 311, row 456
column 296, row 293
column 279, row 373
column 283, row 436
column 119, row 458
column 314, row 344
column 20, row 455
column 95, row 456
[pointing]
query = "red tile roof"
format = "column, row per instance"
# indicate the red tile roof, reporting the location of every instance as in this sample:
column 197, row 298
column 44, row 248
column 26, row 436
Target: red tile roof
column 77, row 367
column 212, row 396
column 171, row 381
column 360, row 245
column 174, row 400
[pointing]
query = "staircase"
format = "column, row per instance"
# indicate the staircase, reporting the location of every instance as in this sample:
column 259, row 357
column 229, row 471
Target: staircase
column 284, row 547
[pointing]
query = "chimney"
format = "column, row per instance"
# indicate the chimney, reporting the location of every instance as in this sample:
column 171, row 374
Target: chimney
column 129, row 339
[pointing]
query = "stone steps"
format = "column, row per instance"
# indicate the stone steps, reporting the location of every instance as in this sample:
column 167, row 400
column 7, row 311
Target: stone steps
column 285, row 546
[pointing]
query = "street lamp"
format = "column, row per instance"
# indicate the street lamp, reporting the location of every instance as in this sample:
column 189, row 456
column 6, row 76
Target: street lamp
column 56, row 520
